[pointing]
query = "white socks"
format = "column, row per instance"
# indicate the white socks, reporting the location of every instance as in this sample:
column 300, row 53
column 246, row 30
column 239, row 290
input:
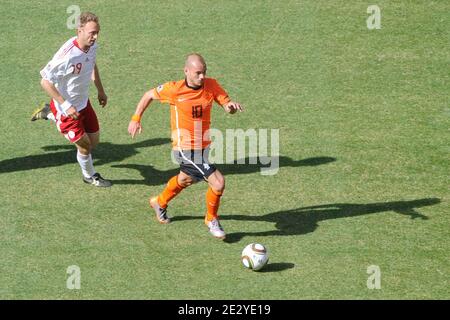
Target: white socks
column 86, row 164
column 51, row 116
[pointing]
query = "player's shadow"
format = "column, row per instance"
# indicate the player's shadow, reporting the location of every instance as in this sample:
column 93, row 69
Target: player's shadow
column 105, row 152
column 152, row 176
column 252, row 165
column 306, row 219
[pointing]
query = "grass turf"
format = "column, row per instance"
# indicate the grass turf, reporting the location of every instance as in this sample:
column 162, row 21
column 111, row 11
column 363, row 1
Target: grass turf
column 364, row 143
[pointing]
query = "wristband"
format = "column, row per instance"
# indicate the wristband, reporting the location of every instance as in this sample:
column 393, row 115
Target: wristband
column 136, row 118
column 65, row 105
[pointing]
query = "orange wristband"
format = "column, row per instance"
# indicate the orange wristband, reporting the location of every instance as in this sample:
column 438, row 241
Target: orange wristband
column 136, row 118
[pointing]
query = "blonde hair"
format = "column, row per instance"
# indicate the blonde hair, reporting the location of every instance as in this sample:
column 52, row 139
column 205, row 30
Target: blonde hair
column 86, row 17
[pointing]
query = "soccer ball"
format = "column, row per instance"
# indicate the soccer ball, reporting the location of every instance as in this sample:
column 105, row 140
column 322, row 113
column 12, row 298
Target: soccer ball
column 255, row 256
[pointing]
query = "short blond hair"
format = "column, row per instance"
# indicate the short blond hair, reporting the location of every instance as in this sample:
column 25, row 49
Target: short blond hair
column 86, row 17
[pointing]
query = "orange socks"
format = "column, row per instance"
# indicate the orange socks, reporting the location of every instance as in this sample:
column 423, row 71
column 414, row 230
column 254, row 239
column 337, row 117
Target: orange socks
column 212, row 203
column 171, row 190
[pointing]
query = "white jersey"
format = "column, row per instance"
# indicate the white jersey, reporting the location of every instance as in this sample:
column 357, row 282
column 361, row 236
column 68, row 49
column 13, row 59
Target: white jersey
column 70, row 71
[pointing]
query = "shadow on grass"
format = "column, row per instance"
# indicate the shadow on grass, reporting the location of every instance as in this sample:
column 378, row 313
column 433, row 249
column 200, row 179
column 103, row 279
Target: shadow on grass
column 152, row 176
column 105, row 153
column 306, row 219
column 277, row 267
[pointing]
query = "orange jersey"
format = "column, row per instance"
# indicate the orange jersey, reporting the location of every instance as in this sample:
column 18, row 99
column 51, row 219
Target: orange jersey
column 190, row 111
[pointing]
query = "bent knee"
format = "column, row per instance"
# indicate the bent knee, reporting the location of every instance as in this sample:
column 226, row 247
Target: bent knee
column 218, row 185
column 84, row 145
column 185, row 181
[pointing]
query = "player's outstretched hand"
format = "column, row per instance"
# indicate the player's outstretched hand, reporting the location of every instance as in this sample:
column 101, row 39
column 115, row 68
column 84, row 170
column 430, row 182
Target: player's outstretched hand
column 231, row 107
column 102, row 98
column 134, row 127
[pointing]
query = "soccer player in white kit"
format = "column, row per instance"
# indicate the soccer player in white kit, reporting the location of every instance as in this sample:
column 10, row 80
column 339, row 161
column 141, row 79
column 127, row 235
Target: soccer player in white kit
column 66, row 79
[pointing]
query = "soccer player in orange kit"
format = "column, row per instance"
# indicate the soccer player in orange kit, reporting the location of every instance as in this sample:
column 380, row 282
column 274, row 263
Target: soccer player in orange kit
column 190, row 103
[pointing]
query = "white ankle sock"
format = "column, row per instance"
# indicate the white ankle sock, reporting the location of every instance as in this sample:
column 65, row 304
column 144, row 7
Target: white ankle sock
column 86, row 164
column 51, row 116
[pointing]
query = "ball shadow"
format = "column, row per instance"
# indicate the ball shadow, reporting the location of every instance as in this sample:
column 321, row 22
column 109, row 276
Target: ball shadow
column 277, row 267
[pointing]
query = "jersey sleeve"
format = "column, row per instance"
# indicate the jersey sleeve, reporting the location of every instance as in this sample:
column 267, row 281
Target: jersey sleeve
column 55, row 70
column 220, row 95
column 165, row 92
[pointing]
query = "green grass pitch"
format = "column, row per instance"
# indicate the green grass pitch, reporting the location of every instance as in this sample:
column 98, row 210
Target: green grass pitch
column 363, row 118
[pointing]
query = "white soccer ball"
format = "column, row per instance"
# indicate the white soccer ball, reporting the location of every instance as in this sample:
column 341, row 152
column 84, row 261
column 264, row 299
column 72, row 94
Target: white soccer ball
column 255, row 256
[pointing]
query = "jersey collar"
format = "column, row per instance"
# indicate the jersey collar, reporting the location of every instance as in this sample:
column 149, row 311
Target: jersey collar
column 190, row 87
column 75, row 42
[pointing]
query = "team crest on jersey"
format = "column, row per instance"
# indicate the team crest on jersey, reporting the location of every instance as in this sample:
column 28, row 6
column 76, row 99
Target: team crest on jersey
column 159, row 88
